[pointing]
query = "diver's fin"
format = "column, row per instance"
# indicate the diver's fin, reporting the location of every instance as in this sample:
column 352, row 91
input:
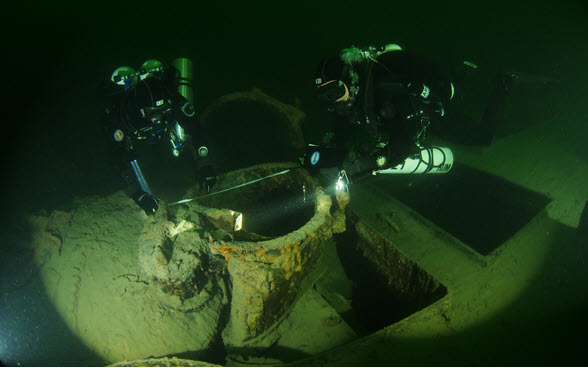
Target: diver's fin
column 517, row 78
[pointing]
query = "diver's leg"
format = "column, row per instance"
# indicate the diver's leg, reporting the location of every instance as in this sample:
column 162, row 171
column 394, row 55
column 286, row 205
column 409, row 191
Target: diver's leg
column 494, row 112
column 461, row 129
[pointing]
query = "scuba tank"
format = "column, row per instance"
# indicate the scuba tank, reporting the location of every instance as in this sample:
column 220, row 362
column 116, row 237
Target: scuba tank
column 185, row 88
column 184, row 79
column 127, row 77
column 354, row 54
column 430, row 160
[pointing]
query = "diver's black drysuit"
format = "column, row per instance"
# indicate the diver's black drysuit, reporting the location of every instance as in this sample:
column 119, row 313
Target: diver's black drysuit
column 132, row 118
column 396, row 100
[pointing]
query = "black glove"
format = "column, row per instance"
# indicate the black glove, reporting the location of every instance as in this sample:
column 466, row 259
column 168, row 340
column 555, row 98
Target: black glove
column 206, row 177
column 146, row 201
column 396, row 151
column 386, row 157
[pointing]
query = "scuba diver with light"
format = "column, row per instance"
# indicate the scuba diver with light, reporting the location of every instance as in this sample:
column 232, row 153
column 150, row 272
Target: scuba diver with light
column 153, row 106
column 387, row 102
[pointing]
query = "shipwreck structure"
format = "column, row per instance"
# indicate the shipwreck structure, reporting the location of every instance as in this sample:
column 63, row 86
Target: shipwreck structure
column 269, row 236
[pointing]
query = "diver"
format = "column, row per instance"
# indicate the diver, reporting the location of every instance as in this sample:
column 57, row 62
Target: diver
column 153, row 106
column 387, row 103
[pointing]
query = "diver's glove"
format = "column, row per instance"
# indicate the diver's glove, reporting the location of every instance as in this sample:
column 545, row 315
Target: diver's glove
column 389, row 156
column 146, row 201
column 394, row 153
column 206, row 177
column 384, row 157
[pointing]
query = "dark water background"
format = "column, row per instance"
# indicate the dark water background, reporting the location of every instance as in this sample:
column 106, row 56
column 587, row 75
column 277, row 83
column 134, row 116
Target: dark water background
column 56, row 53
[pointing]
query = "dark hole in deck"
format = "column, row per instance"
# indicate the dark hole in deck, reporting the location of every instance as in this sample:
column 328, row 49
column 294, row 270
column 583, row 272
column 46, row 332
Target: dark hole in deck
column 480, row 209
column 385, row 285
column 277, row 213
column 272, row 207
